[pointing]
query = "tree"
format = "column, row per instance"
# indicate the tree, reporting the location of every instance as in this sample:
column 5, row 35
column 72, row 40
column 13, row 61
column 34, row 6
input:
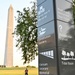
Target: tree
column 64, row 53
column 68, row 54
column 26, row 32
column 73, row 8
column 72, row 54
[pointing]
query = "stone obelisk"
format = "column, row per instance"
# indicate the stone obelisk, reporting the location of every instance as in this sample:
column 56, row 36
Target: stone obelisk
column 8, row 60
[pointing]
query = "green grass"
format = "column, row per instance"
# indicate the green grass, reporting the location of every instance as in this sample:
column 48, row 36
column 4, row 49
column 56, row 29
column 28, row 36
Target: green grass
column 18, row 71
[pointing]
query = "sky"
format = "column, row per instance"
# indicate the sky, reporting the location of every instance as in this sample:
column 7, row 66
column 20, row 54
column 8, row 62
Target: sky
column 4, row 6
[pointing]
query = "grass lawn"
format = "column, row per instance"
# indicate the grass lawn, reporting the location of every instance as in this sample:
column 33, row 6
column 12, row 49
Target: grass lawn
column 18, row 71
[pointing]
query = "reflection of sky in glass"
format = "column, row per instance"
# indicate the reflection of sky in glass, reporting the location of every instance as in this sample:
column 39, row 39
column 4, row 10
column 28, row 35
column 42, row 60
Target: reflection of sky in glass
column 64, row 12
column 63, row 29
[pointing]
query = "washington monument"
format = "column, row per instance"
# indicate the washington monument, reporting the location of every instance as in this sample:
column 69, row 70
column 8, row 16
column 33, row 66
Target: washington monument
column 8, row 60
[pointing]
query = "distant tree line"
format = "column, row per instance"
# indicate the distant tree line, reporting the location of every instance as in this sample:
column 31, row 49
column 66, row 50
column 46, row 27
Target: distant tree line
column 2, row 66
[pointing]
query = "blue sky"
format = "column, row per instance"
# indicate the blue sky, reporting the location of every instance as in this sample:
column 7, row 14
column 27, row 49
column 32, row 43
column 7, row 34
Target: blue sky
column 17, row 5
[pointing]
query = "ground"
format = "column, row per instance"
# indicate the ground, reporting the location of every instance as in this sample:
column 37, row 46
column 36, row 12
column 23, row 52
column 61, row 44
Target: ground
column 18, row 71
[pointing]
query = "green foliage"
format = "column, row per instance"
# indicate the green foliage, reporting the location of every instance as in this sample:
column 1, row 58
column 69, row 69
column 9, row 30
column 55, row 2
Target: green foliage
column 26, row 32
column 74, row 10
column 30, row 66
column 16, row 66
